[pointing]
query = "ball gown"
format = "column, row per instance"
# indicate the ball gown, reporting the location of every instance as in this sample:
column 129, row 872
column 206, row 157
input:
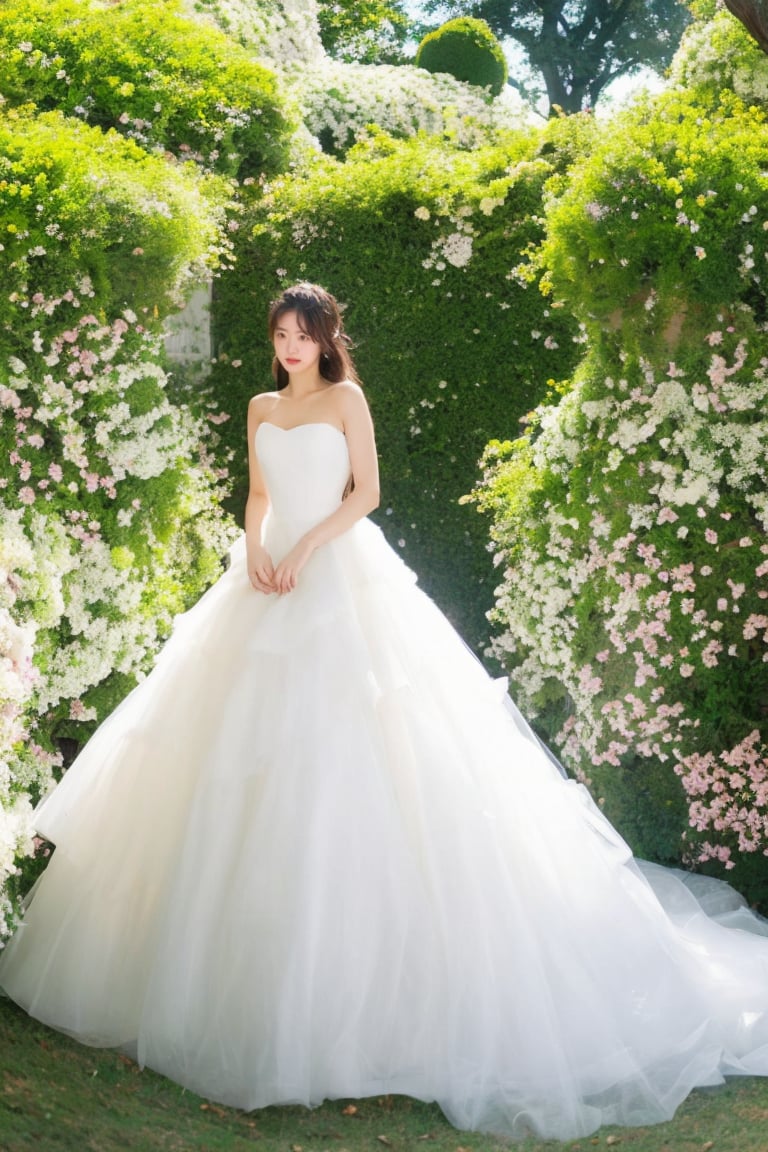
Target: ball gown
column 317, row 853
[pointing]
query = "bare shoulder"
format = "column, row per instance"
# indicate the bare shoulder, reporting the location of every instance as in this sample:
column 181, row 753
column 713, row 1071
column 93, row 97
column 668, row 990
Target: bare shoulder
column 349, row 397
column 260, row 406
column 263, row 400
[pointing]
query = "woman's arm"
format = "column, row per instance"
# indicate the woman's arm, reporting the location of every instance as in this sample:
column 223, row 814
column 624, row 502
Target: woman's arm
column 260, row 568
column 364, row 497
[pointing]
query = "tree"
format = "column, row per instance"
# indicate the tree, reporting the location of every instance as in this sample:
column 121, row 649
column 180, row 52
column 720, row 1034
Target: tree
column 366, row 31
column 753, row 14
column 578, row 47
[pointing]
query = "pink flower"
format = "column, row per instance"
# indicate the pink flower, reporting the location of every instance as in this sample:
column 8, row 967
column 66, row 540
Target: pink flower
column 754, row 624
column 710, row 536
column 55, row 472
column 9, row 398
column 737, row 590
column 709, row 655
column 27, row 495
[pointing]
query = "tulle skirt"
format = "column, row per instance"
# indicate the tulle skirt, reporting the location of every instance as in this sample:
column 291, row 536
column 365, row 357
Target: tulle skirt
column 317, row 853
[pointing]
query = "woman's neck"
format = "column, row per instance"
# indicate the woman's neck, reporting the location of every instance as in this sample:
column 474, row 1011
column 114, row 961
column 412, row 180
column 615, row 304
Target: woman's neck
column 300, row 386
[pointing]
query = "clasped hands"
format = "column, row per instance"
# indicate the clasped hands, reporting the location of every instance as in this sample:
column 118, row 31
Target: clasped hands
column 265, row 577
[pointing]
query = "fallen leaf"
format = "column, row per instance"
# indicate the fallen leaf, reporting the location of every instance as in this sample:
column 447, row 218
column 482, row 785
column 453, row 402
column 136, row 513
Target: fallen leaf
column 296, row 1148
column 350, row 1110
column 613, row 1139
column 384, row 1140
column 706, row 1147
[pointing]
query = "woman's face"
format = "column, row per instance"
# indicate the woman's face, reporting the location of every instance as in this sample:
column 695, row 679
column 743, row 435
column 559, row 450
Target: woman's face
column 296, row 351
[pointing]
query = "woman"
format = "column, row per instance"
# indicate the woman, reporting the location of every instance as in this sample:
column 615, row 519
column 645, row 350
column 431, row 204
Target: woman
column 317, row 853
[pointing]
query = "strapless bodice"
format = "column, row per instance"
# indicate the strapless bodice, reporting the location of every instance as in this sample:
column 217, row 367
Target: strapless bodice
column 306, row 469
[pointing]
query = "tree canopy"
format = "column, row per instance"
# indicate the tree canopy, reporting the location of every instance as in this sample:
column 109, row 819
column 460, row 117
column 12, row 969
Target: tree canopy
column 365, row 31
column 579, row 47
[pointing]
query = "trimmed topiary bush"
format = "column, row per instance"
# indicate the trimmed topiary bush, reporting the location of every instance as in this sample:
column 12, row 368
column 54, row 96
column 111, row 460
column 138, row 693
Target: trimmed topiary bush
column 425, row 244
column 467, row 49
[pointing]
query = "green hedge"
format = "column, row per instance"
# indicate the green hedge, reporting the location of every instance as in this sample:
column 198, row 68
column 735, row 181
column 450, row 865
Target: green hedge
column 425, row 246
column 467, row 49
column 154, row 75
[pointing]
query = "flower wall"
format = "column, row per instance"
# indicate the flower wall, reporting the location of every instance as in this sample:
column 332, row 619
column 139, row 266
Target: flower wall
column 109, row 503
column 630, row 521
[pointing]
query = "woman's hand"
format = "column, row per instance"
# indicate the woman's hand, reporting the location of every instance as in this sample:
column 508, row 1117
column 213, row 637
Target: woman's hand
column 261, row 572
column 287, row 571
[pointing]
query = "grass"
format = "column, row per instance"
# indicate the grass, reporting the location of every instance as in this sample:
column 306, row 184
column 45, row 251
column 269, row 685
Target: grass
column 56, row 1096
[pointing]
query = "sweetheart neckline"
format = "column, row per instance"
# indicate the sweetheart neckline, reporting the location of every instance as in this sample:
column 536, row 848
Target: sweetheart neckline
column 306, row 424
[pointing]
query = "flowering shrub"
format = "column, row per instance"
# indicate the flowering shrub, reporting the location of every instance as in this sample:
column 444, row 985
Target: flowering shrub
column 92, row 220
column 718, row 55
column 631, row 518
column 155, row 76
column 340, row 101
column 422, row 242
column 283, row 32
column 109, row 522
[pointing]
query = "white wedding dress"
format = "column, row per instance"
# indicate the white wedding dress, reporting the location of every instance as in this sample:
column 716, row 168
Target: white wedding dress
column 316, row 854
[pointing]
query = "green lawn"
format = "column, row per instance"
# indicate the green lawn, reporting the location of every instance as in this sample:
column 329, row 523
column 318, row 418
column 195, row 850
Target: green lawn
column 56, row 1096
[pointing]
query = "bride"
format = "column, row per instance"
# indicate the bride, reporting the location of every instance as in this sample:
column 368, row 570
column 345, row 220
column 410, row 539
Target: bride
column 318, row 853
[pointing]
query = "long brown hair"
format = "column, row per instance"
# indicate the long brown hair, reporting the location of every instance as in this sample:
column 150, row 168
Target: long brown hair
column 319, row 315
